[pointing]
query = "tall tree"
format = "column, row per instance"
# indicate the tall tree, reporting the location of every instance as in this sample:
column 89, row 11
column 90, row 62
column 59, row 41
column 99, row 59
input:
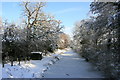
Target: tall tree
column 32, row 12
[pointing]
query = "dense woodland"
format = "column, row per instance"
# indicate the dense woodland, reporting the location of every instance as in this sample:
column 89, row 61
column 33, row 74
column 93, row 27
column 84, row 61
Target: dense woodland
column 39, row 32
column 98, row 38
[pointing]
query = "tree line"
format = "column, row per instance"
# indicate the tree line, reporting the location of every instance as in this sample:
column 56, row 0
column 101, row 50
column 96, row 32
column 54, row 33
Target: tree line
column 97, row 38
column 39, row 32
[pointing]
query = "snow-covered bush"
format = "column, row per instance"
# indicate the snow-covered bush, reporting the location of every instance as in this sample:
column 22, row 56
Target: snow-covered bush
column 98, row 39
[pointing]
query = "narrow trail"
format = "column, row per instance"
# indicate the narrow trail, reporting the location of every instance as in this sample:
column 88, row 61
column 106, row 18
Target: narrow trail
column 71, row 65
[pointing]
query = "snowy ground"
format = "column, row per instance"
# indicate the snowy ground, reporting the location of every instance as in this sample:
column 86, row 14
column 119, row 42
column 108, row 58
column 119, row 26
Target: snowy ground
column 30, row 69
column 69, row 65
column 72, row 66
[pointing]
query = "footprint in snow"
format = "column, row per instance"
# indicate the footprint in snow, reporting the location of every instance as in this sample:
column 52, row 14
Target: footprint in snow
column 67, row 74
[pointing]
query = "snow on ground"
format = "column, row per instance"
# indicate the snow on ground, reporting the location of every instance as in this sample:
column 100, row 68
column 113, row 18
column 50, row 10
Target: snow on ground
column 30, row 69
column 71, row 65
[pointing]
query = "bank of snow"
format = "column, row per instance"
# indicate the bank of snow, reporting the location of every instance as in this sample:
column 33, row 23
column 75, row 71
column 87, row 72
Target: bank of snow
column 30, row 69
column 70, row 65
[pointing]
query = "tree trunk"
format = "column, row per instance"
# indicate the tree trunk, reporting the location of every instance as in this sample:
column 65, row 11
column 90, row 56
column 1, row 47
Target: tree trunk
column 25, row 60
column 11, row 61
column 19, row 61
column 28, row 40
column 3, row 63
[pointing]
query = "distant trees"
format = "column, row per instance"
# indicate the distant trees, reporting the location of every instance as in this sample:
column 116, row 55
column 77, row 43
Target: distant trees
column 39, row 33
column 63, row 41
column 97, row 39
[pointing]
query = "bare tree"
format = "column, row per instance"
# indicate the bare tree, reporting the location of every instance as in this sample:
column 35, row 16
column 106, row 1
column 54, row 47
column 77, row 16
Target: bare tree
column 40, row 26
column 32, row 12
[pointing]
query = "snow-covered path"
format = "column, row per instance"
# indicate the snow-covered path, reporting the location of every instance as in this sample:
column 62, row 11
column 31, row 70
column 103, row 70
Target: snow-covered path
column 72, row 66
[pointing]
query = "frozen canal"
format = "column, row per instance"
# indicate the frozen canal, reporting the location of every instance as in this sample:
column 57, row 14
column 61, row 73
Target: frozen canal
column 71, row 65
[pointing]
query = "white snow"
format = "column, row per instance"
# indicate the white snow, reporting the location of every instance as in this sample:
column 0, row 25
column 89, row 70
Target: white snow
column 36, row 52
column 71, row 65
column 30, row 69
column 64, row 64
